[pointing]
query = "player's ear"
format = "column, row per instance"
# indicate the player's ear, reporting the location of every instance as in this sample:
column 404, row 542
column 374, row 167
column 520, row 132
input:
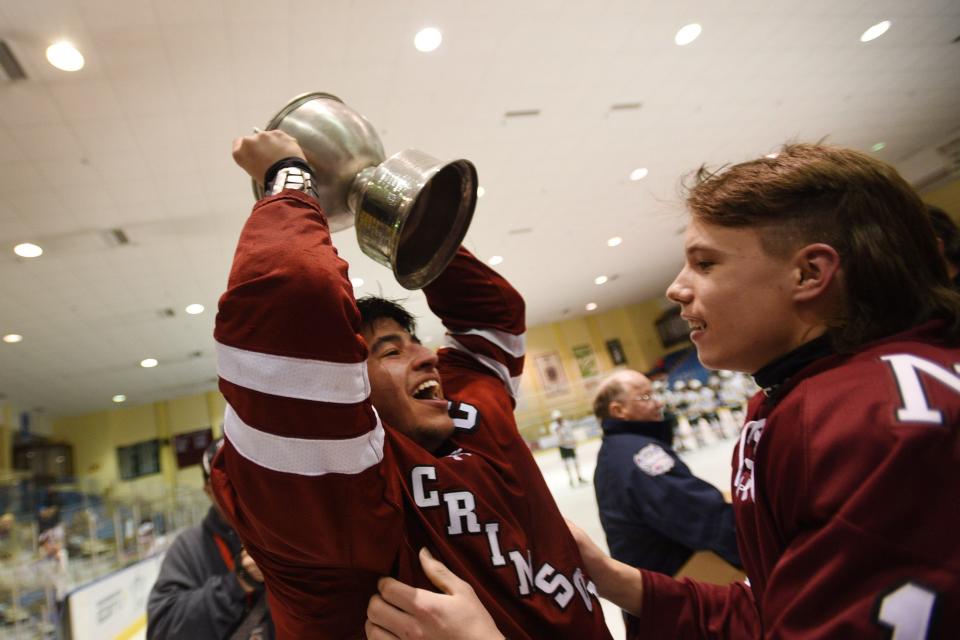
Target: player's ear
column 815, row 267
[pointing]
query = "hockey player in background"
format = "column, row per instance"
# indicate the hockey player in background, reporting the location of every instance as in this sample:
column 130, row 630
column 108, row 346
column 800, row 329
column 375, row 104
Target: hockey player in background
column 349, row 446
column 567, row 444
column 817, row 270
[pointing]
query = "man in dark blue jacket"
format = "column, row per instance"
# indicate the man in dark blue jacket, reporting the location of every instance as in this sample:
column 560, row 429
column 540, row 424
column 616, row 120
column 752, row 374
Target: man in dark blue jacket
column 654, row 512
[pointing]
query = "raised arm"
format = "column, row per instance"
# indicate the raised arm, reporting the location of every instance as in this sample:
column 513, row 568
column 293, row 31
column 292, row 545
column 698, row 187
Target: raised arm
column 484, row 316
column 300, row 474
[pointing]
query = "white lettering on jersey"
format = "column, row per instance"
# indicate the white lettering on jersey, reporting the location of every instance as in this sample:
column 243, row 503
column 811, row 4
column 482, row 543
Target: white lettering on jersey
column 906, row 370
column 416, row 479
column 522, row 563
column 744, row 483
column 460, row 507
column 493, row 541
column 584, row 588
column 462, row 519
column 555, row 584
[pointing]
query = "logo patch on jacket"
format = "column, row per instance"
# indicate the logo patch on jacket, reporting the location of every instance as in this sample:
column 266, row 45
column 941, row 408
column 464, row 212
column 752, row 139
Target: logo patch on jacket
column 653, row 460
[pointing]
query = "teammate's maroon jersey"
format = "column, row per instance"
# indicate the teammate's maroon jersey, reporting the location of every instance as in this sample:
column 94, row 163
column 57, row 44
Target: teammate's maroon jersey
column 327, row 499
column 847, row 499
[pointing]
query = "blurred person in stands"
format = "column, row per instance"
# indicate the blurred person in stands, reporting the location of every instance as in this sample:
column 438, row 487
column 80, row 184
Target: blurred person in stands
column 50, row 514
column 818, row 272
column 567, row 444
column 209, row 587
column 654, row 511
column 948, row 239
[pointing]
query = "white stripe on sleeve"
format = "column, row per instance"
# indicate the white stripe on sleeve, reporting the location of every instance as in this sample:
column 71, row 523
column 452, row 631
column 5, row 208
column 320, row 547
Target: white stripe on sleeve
column 339, row 382
column 512, row 383
column 516, row 346
column 301, row 456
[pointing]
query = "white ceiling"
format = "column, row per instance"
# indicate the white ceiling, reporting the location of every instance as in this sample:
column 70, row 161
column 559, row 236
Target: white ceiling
column 140, row 140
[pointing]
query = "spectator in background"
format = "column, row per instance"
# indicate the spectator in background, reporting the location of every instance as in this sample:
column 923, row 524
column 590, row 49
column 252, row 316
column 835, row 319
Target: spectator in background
column 209, row 587
column 948, row 239
column 567, row 443
column 49, row 515
column 654, row 511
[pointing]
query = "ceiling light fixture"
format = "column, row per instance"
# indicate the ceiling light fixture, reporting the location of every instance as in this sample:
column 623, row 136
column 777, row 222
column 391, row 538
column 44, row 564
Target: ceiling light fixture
column 638, row 174
column 687, row 34
column 356, row 282
column 10, row 338
column 614, row 241
column 495, row 260
column 880, row 146
column 119, row 398
column 591, row 306
column 600, row 279
column 427, row 39
column 480, row 192
column 64, row 56
column 194, row 309
column 149, row 363
column 875, row 31
column 28, row 250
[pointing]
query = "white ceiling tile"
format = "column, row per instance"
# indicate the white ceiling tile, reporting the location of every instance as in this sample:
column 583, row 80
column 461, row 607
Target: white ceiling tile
column 170, row 83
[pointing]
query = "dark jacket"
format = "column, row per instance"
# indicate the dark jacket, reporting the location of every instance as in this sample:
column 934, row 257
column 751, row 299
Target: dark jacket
column 655, row 513
column 196, row 596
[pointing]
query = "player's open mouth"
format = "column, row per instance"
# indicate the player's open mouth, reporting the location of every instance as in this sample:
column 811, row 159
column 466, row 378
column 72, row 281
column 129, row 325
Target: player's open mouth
column 427, row 390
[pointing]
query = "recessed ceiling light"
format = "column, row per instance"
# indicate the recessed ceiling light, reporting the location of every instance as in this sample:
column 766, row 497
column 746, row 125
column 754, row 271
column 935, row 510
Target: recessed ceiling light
column 64, row 56
column 194, row 309
column 427, row 39
column 480, row 192
column 149, row 363
column 495, row 260
column 638, row 174
column 600, row 279
column 591, row 306
column 688, row 34
column 875, row 31
column 356, row 282
column 119, row 398
column 772, row 155
column 12, row 337
column 28, row 250
column 614, row 241
column 880, row 146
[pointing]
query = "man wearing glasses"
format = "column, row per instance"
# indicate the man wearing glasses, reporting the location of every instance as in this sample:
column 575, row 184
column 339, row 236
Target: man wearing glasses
column 654, row 512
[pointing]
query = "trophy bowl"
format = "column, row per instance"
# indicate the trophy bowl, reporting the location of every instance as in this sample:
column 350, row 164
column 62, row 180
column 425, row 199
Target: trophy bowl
column 411, row 210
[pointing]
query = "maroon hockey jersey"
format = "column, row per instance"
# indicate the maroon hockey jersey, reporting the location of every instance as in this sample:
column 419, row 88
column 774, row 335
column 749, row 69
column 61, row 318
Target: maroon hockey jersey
column 846, row 500
column 327, row 499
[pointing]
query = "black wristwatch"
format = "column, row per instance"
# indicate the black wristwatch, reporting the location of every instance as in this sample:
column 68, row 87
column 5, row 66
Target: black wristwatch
column 290, row 173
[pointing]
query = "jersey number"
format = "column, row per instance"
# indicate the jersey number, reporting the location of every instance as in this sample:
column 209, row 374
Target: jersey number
column 465, row 416
column 907, row 611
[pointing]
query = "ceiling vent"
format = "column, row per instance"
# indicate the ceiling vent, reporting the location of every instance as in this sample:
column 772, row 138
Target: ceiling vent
column 12, row 70
column 521, row 113
column 932, row 166
column 114, row 237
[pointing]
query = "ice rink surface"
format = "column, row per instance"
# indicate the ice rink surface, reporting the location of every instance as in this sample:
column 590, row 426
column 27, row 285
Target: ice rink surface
column 712, row 463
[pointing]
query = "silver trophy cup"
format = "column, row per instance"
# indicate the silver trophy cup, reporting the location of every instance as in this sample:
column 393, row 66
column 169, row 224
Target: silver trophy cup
column 411, row 210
